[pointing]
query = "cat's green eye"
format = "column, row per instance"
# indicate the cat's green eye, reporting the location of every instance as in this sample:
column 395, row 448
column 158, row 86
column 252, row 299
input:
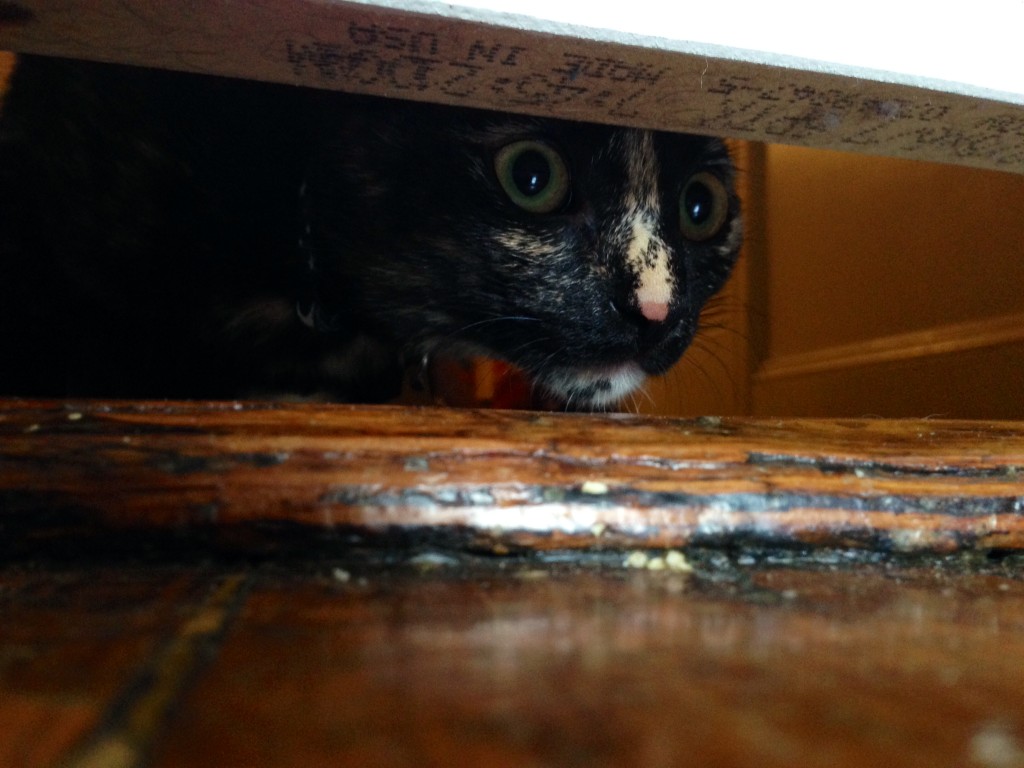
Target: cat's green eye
column 534, row 175
column 703, row 207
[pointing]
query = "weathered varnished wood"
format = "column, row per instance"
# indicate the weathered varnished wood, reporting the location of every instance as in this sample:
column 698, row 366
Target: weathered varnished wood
column 251, row 473
column 348, row 665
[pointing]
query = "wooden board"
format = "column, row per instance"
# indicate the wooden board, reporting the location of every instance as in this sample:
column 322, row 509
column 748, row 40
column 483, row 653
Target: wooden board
column 339, row 664
column 514, row 62
column 264, row 477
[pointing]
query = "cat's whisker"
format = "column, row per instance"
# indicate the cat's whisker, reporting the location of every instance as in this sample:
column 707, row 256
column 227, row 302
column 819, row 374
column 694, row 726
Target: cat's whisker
column 645, row 390
column 708, row 379
column 634, row 406
column 705, row 345
column 540, row 340
column 567, row 406
column 709, row 324
column 454, row 335
column 498, row 319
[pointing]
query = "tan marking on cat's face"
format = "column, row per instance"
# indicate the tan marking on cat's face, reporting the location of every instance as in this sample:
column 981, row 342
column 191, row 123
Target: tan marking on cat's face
column 647, row 255
column 526, row 244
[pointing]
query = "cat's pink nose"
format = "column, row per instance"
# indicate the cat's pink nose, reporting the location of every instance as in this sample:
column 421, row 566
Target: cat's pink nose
column 654, row 311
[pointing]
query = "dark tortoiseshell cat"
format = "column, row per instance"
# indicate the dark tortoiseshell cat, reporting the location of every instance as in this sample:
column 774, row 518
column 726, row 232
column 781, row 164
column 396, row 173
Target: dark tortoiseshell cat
column 170, row 235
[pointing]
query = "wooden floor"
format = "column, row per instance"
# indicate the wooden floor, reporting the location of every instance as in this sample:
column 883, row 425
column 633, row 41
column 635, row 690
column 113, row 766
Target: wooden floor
column 439, row 663
column 245, row 585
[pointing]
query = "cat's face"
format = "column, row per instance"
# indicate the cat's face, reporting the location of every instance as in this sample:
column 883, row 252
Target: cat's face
column 581, row 254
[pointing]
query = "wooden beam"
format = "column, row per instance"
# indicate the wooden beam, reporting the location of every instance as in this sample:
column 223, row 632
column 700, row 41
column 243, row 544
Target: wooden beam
column 527, row 63
column 254, row 474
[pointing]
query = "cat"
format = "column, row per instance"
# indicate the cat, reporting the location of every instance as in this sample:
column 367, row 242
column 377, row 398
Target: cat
column 189, row 236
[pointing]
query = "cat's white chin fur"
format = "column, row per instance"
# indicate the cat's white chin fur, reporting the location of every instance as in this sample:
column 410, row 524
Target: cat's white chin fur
column 594, row 388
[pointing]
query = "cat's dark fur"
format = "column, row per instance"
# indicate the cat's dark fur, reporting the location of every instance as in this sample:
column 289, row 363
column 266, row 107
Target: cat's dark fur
column 171, row 235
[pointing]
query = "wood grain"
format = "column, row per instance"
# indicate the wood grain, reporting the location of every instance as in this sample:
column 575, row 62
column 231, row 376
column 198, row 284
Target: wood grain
column 519, row 666
column 521, row 64
column 263, row 475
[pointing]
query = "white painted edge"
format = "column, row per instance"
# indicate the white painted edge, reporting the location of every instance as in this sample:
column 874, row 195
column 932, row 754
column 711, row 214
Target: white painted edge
column 634, row 20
